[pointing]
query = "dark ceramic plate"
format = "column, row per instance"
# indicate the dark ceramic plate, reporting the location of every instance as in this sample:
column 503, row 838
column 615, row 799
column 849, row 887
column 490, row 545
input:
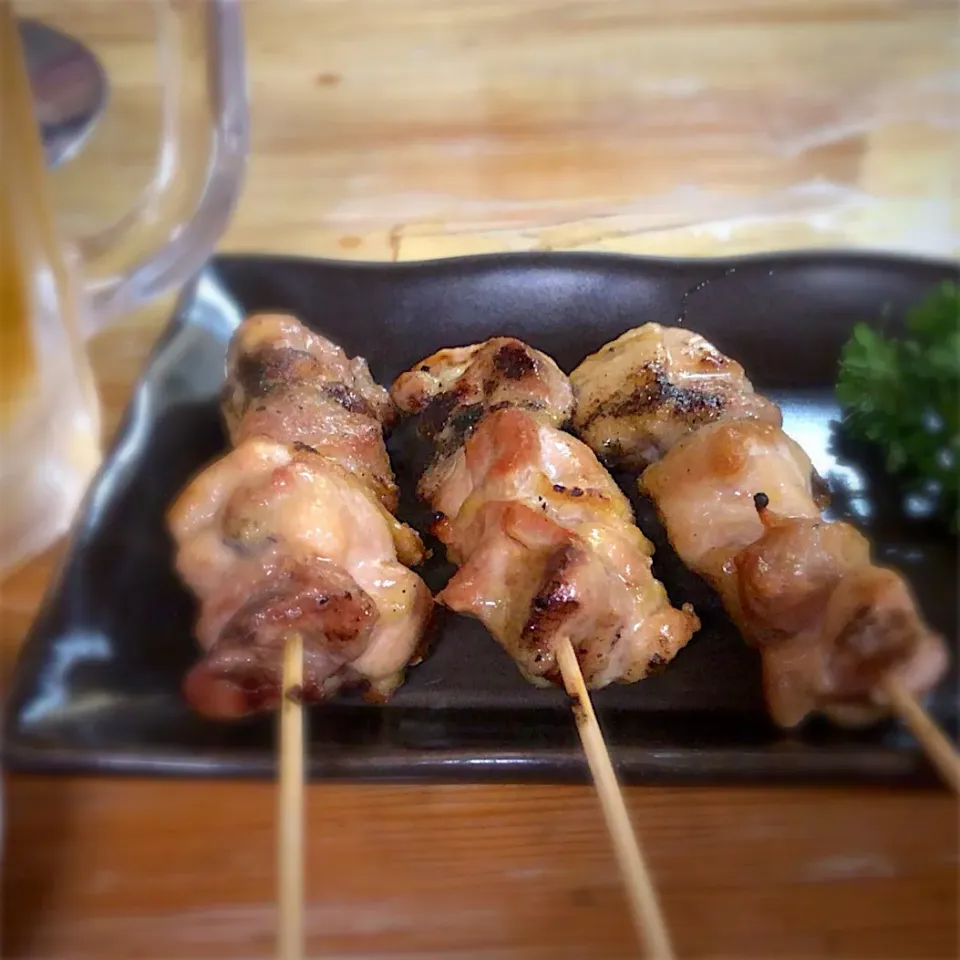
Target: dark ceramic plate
column 97, row 684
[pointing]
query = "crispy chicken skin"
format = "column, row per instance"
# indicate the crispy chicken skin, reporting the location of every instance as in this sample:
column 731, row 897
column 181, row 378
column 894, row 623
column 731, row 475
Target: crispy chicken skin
column 544, row 539
column 291, row 530
column 639, row 394
column 267, row 339
column 741, row 504
column 273, row 539
column 530, row 507
column 501, row 370
column 737, row 501
column 452, row 390
column 292, row 385
column 512, row 457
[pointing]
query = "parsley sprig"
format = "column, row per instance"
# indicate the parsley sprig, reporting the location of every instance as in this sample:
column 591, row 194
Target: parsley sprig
column 904, row 396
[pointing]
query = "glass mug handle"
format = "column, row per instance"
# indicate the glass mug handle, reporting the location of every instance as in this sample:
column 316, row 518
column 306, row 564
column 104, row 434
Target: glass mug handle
column 179, row 217
column 55, row 294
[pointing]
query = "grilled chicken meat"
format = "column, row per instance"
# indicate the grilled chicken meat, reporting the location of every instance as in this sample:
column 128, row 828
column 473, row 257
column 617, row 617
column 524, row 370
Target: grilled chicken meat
column 544, row 539
column 288, row 383
column 501, row 371
column 742, row 505
column 453, row 389
column 530, row 507
column 278, row 536
column 639, row 394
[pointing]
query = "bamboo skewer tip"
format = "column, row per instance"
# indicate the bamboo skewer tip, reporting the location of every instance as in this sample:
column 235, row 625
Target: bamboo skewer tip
column 938, row 748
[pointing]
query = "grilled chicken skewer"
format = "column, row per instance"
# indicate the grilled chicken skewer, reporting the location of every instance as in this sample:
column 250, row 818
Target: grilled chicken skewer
column 543, row 538
column 742, row 505
column 292, row 531
column 549, row 558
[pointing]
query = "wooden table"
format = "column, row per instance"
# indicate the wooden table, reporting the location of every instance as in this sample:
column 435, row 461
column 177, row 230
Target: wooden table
column 399, row 129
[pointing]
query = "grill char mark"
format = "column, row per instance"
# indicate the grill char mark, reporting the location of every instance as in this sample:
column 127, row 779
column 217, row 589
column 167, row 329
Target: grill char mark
column 437, row 412
column 275, row 370
column 653, row 390
column 553, row 602
column 514, row 362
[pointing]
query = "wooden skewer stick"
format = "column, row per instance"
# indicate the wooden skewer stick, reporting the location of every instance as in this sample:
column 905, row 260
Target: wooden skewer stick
column 648, row 917
column 290, row 806
column 942, row 753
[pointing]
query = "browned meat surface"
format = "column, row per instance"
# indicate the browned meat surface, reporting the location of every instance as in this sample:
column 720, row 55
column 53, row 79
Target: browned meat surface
column 738, row 504
column 300, row 354
column 292, row 385
column 247, row 622
column 280, row 536
column 639, row 394
column 453, row 389
column 545, row 540
column 273, row 539
column 741, row 504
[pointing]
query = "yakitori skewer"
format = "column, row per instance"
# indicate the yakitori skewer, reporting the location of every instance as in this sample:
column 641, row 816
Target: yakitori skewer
column 299, row 566
column 549, row 557
column 742, row 506
column 292, row 530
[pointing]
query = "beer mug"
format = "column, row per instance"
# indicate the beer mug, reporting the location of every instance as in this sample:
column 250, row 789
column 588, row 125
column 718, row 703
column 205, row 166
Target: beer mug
column 58, row 286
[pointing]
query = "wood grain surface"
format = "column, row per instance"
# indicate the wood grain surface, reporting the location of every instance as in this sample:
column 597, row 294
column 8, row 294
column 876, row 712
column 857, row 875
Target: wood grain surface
column 185, row 870
column 402, row 129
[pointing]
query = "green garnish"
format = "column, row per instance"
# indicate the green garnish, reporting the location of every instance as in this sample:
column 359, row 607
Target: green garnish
column 904, row 396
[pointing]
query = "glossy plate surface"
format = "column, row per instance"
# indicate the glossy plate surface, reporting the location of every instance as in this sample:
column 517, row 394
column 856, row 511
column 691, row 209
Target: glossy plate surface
column 97, row 684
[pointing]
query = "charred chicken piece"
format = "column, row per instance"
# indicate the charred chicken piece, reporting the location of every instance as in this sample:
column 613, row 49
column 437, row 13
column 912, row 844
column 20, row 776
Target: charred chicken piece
column 292, row 385
column 741, row 504
column 452, row 390
column 638, row 395
column 282, row 536
column 273, row 539
column 544, row 539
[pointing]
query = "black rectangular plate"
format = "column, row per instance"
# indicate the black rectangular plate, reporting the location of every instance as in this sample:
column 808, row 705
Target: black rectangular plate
column 96, row 687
